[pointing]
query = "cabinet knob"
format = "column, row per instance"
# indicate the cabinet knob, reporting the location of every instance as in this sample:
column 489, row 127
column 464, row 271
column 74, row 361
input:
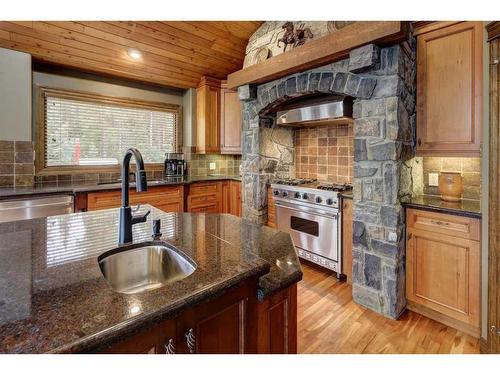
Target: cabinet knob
column 191, row 340
column 496, row 330
column 170, row 347
column 419, row 142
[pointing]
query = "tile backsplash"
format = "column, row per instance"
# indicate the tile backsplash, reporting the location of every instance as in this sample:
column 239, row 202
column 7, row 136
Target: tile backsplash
column 470, row 168
column 16, row 164
column 325, row 153
column 198, row 164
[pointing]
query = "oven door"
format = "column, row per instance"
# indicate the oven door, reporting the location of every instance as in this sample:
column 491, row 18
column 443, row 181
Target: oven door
column 312, row 230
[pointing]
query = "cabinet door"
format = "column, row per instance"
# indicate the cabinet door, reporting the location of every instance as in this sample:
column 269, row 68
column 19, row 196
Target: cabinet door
column 347, row 238
column 207, row 119
column 443, row 276
column 221, row 326
column 449, row 90
column 226, row 197
column 151, row 341
column 271, row 209
column 235, row 198
column 230, row 122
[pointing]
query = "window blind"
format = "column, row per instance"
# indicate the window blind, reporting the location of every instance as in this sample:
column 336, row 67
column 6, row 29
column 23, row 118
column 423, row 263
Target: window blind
column 82, row 132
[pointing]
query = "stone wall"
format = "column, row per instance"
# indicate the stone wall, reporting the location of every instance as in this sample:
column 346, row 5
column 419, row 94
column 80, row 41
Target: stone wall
column 382, row 83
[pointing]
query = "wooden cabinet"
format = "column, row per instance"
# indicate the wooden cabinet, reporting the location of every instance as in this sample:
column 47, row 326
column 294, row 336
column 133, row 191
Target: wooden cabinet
column 492, row 344
column 218, row 118
column 347, row 238
column 443, row 268
column 235, row 198
column 277, row 325
column 165, row 198
column 204, row 197
column 208, row 116
column 271, row 209
column 226, row 197
column 449, row 89
column 230, row 121
column 226, row 325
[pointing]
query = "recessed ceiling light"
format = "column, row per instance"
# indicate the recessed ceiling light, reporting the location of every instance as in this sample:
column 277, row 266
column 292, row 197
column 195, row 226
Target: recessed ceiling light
column 134, row 53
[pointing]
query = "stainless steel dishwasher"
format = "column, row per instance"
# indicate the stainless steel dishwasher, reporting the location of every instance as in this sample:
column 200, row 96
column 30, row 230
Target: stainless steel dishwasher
column 35, row 207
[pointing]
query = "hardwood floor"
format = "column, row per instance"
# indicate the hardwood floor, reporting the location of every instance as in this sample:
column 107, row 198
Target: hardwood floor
column 330, row 322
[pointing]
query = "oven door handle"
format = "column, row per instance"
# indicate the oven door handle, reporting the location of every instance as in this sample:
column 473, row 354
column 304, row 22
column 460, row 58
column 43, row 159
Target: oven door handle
column 333, row 216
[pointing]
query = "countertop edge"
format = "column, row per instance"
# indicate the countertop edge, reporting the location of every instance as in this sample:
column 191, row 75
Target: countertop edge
column 446, row 210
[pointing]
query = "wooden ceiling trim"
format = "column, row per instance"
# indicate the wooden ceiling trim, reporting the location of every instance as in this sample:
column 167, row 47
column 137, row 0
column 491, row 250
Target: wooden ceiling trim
column 70, row 34
column 175, row 54
column 186, row 47
column 24, row 37
column 108, row 32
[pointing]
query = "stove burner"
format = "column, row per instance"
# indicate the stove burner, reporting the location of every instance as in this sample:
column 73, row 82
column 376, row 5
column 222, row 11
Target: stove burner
column 296, row 181
column 335, row 187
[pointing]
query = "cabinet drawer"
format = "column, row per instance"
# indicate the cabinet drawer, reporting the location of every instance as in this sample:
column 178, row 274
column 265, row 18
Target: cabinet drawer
column 199, row 189
column 452, row 225
column 208, row 209
column 203, row 200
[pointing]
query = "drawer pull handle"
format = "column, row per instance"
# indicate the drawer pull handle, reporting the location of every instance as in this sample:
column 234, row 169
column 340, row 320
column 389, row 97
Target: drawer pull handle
column 191, row 340
column 437, row 222
column 170, row 347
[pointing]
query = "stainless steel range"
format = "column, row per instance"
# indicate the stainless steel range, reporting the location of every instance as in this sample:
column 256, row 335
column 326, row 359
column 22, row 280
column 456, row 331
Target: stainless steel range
column 309, row 211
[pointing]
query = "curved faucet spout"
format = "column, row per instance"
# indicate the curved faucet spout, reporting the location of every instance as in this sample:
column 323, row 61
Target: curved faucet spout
column 126, row 217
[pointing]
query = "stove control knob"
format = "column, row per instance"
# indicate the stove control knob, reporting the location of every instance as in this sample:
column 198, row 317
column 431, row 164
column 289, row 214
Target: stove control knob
column 305, row 196
column 318, row 200
column 329, row 201
column 285, row 194
column 276, row 192
column 297, row 195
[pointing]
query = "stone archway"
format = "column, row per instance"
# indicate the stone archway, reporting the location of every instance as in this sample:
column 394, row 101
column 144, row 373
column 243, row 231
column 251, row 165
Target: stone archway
column 382, row 83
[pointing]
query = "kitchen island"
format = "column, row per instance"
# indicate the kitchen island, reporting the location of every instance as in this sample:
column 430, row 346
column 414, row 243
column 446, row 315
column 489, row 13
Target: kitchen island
column 54, row 298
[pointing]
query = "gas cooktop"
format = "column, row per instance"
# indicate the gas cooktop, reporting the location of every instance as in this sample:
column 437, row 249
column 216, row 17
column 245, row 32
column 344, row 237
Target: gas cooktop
column 312, row 183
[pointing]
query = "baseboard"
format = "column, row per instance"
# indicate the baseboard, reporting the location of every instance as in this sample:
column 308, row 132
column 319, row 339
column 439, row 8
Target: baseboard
column 446, row 320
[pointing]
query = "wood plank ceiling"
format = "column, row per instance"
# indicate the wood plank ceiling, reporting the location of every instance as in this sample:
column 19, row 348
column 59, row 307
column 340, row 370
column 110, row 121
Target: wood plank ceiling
column 174, row 54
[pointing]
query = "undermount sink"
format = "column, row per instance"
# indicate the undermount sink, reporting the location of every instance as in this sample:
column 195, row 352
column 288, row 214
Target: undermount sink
column 139, row 267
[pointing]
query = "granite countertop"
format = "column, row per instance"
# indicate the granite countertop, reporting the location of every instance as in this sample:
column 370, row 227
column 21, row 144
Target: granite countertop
column 81, row 187
column 466, row 207
column 53, row 297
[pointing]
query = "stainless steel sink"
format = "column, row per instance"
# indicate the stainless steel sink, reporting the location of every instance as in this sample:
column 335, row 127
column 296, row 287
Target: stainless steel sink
column 145, row 266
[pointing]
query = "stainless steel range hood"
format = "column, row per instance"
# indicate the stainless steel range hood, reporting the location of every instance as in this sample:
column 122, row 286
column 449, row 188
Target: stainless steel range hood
column 329, row 113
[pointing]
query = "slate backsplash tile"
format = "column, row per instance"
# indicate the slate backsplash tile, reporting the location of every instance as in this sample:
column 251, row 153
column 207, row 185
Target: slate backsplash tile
column 470, row 168
column 325, row 153
column 16, row 163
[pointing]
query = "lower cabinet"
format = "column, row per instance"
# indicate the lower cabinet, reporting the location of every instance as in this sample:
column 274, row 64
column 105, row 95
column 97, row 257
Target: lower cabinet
column 443, row 268
column 347, row 238
column 271, row 209
column 165, row 198
column 215, row 197
column 225, row 325
column 235, row 323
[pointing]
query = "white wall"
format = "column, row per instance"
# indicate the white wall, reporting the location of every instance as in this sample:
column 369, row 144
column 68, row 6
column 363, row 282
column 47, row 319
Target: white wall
column 15, row 95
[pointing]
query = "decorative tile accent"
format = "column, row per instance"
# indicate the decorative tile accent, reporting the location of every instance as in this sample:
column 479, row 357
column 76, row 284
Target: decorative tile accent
column 470, row 168
column 326, row 154
column 198, row 164
column 16, row 163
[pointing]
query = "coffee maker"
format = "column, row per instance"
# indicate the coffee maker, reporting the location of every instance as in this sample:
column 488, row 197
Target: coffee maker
column 175, row 165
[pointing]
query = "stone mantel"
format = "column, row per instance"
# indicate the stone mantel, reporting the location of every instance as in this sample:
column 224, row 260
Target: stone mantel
column 329, row 48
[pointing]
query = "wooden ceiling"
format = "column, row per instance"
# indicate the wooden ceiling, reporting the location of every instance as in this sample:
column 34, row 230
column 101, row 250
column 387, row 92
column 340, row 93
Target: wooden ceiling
column 174, row 54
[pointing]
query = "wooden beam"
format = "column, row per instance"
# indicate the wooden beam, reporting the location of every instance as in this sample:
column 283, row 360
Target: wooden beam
column 331, row 47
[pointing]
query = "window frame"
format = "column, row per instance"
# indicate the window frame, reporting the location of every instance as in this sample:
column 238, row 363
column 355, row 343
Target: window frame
column 41, row 167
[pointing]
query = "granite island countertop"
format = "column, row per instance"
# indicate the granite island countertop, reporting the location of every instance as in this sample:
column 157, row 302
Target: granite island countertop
column 466, row 207
column 53, row 297
column 82, row 187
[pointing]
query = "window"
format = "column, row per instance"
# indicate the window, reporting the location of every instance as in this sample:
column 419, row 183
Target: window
column 84, row 131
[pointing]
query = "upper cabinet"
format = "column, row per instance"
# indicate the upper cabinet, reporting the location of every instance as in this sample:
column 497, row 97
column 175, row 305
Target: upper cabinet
column 230, row 121
column 449, row 88
column 218, row 118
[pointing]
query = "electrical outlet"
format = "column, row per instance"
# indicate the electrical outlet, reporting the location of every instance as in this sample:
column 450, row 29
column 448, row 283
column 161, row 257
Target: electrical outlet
column 433, row 179
column 212, row 166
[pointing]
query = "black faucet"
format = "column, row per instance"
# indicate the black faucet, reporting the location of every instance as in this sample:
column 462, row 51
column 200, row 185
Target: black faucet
column 126, row 217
